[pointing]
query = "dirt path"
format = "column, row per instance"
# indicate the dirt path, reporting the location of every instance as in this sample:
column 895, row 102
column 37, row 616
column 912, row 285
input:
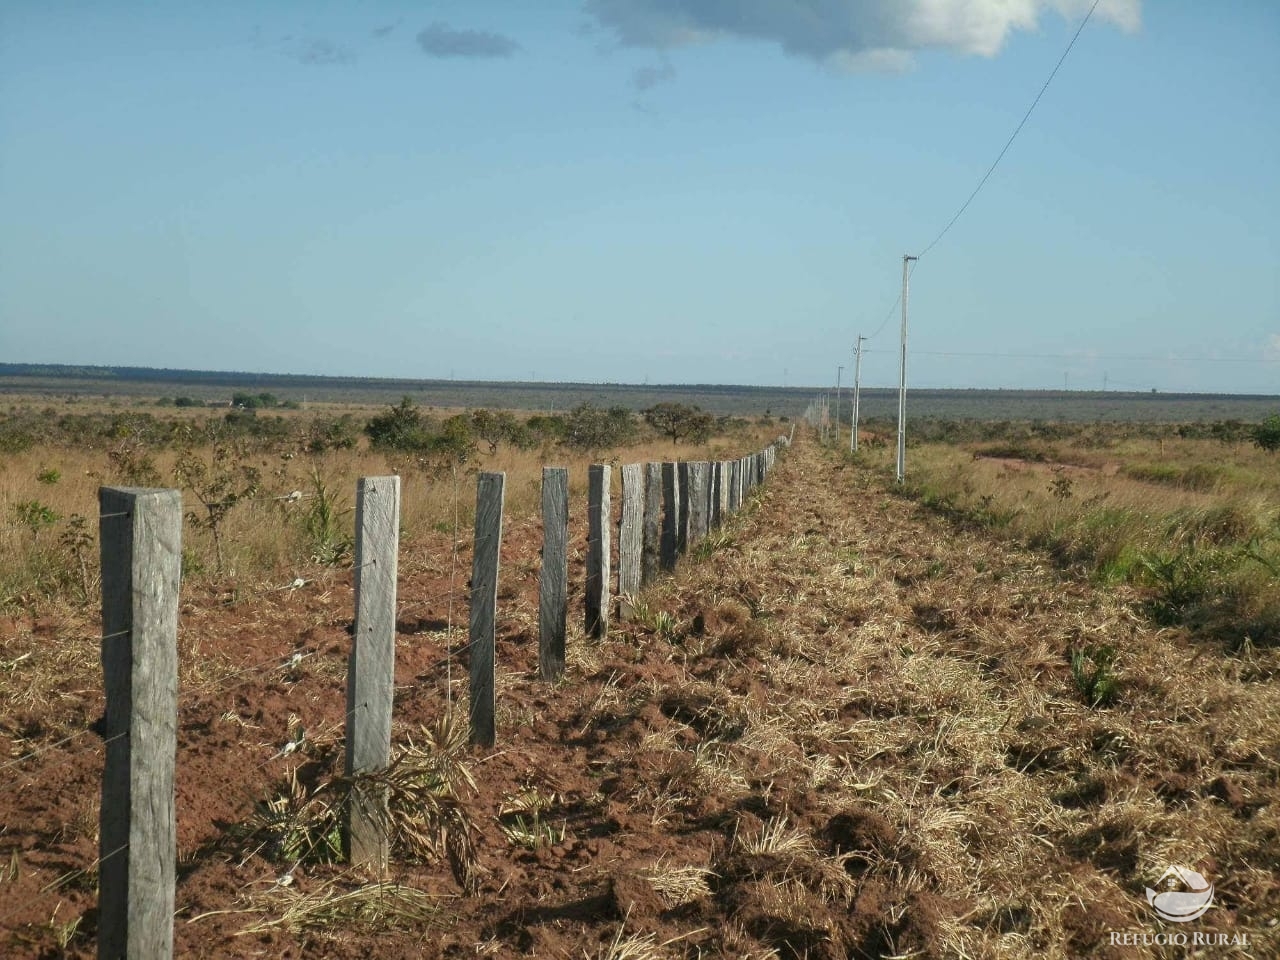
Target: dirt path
column 848, row 729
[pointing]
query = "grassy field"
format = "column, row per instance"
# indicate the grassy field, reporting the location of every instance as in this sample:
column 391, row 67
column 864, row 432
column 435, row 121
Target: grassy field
column 1193, row 522
column 48, row 488
column 976, row 716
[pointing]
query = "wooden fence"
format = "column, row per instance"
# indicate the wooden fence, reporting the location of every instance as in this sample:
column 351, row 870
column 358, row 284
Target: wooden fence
column 667, row 509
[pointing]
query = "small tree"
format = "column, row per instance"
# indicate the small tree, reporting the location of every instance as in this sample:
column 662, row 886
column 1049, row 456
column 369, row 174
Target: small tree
column 677, row 420
column 1266, row 435
column 35, row 516
column 545, row 428
column 590, row 428
column 495, row 427
column 454, row 442
column 402, row 427
column 218, row 483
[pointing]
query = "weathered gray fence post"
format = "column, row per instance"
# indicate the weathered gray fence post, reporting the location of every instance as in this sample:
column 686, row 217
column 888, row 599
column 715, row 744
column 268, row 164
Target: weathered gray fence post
column 371, row 667
column 649, row 550
column 670, row 515
column 710, row 469
column 726, row 475
column 682, row 528
column 630, row 538
column 698, row 471
column 484, row 607
column 140, row 533
column 553, row 579
column 599, row 516
column 732, row 478
column 713, row 495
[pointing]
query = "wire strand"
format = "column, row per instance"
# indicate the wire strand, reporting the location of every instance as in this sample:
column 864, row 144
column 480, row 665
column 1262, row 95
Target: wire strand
column 1018, row 129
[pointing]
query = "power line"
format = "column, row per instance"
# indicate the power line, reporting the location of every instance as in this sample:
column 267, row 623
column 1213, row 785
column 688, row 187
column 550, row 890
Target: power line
column 1016, row 131
column 896, row 300
column 1137, row 358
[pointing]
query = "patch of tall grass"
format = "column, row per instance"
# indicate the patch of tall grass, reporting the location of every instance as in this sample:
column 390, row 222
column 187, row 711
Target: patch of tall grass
column 265, row 536
column 1199, row 536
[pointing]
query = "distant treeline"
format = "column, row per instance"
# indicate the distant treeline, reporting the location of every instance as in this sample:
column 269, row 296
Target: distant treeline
column 212, row 386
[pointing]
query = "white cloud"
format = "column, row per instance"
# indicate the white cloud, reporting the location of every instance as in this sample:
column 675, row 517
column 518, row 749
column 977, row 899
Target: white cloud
column 1271, row 349
column 852, row 34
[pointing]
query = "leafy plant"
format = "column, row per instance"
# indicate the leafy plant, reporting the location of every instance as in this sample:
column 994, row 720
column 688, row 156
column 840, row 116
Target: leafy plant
column 35, row 516
column 1266, row 435
column 219, row 483
column 297, row 825
column 1181, row 581
column 678, row 420
column 328, row 542
column 423, row 785
column 132, row 463
column 1060, row 486
column 522, row 820
column 77, row 540
column 1093, row 670
column 49, row 476
column 401, row 427
column 591, row 429
column 494, row 427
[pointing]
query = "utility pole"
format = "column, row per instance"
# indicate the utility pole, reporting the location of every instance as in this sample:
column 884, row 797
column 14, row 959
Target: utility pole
column 839, row 372
column 857, row 371
column 902, row 377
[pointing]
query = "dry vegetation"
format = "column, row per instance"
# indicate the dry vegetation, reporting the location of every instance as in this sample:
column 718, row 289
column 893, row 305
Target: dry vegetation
column 849, row 727
column 1194, row 523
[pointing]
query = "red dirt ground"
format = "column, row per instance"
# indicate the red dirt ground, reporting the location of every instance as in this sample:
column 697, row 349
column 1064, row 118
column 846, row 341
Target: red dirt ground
column 602, row 744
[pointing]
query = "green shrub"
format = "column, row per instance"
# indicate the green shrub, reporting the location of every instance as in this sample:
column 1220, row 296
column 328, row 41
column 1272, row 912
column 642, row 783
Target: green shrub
column 1266, row 435
column 1093, row 670
column 402, row 427
column 591, row 429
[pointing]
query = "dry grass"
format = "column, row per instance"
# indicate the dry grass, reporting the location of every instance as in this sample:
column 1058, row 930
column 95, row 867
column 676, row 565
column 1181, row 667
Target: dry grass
column 921, row 699
column 1193, row 523
column 331, row 909
column 270, row 541
column 852, row 729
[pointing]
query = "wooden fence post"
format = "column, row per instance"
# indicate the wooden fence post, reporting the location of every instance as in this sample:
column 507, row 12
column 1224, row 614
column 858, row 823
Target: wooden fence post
column 553, row 579
column 140, row 533
column 713, row 496
column 630, row 538
column 371, row 667
column 649, row 550
column 599, row 517
column 670, row 515
column 725, row 475
column 682, row 527
column 710, row 469
column 484, row 606
column 731, row 467
column 698, row 471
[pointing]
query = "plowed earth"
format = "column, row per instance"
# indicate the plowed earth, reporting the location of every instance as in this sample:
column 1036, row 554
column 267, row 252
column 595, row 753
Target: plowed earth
column 845, row 728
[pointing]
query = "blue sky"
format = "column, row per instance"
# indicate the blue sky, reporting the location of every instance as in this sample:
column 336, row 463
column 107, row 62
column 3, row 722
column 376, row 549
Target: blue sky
column 645, row 190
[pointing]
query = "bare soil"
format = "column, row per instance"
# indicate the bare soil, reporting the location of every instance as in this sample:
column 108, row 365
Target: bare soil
column 854, row 733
